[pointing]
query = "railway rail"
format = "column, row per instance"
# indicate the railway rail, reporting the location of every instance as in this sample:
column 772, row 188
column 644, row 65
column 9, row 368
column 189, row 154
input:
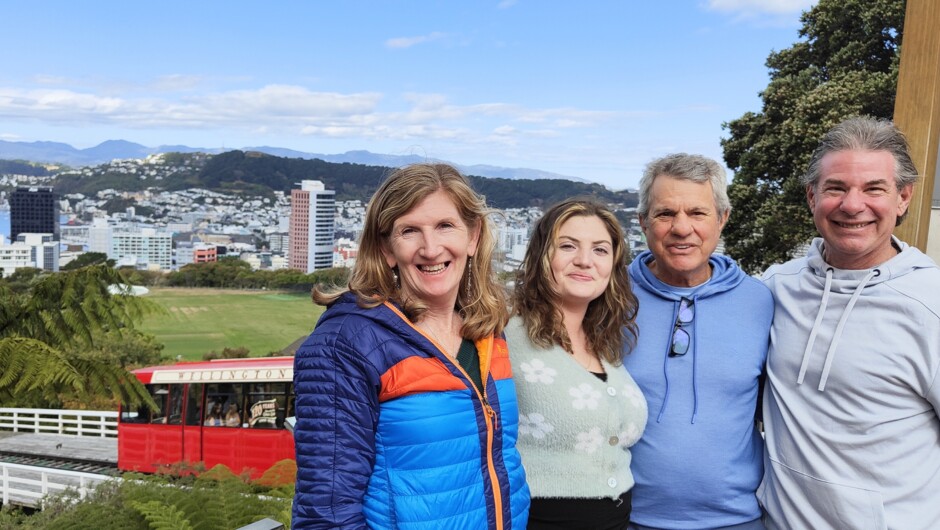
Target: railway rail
column 62, row 463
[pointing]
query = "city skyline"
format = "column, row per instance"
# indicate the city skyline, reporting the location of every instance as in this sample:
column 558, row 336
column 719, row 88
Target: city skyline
column 591, row 91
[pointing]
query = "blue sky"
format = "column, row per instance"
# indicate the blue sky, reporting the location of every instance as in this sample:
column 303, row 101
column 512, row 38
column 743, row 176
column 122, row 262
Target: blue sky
column 592, row 89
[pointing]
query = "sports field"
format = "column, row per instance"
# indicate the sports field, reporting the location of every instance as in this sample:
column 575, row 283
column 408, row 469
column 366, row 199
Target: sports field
column 201, row 320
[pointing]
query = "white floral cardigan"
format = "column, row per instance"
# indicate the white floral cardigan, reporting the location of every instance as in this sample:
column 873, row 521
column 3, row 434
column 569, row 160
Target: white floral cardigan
column 575, row 431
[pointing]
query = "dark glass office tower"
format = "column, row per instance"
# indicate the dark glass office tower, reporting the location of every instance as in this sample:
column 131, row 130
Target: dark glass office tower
column 35, row 211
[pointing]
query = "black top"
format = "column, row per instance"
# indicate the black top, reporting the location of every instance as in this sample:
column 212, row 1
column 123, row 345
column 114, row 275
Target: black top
column 579, row 514
column 469, row 359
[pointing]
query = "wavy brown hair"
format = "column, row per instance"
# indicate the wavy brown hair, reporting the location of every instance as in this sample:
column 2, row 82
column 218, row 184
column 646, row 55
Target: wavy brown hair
column 610, row 321
column 483, row 307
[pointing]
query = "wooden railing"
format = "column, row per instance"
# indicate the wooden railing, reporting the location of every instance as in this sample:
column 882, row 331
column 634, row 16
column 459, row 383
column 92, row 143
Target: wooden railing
column 99, row 423
column 27, row 485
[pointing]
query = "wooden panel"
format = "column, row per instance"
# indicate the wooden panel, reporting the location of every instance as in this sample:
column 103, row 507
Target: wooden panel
column 917, row 109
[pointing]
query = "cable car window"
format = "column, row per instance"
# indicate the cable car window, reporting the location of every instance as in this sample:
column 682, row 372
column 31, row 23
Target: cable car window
column 140, row 414
column 169, row 400
column 268, row 403
column 224, row 405
column 194, row 404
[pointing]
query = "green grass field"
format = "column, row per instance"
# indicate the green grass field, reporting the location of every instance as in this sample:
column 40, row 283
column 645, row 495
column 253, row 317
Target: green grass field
column 201, row 320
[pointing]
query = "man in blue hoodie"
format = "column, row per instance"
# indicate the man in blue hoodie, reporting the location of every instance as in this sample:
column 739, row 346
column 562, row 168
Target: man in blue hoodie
column 704, row 327
column 853, row 436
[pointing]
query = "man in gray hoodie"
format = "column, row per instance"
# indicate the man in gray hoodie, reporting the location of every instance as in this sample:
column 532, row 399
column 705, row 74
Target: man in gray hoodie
column 850, row 408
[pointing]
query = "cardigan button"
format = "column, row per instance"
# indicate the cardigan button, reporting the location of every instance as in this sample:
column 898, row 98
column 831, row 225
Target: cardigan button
column 613, row 440
column 612, row 482
column 611, row 391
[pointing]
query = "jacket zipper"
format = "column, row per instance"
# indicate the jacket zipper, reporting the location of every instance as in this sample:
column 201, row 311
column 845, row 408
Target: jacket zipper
column 489, row 415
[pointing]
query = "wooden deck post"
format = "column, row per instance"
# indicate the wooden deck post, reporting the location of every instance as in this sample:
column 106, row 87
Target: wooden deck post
column 917, row 110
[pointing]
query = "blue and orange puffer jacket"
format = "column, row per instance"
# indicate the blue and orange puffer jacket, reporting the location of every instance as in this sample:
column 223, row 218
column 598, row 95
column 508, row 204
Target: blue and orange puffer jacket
column 391, row 434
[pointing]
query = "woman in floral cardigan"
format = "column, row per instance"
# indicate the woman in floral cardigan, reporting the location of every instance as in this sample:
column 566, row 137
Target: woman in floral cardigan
column 579, row 411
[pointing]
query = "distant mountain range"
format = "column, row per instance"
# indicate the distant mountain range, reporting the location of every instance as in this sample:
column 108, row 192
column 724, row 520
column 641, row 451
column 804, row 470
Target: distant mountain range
column 61, row 153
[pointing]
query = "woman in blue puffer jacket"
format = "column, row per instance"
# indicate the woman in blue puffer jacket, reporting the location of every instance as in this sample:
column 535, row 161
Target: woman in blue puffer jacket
column 406, row 411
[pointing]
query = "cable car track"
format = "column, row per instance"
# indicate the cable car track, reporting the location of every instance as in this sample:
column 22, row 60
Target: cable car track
column 65, row 464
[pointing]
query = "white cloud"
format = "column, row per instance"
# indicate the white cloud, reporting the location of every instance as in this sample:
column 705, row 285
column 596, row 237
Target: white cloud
column 277, row 106
column 756, row 7
column 289, row 101
column 56, row 105
column 383, row 123
column 506, row 4
column 407, row 42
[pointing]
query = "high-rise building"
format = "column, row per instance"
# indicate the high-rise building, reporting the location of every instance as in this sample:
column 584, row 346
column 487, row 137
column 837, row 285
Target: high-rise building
column 34, row 210
column 312, row 217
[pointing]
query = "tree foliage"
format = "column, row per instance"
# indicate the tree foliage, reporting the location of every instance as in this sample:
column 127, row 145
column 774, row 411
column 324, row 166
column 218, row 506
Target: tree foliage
column 18, row 167
column 237, row 274
column 845, row 64
column 45, row 330
column 240, row 352
column 88, row 258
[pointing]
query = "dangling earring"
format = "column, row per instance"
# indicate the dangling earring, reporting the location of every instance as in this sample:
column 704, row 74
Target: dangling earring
column 469, row 277
column 395, row 279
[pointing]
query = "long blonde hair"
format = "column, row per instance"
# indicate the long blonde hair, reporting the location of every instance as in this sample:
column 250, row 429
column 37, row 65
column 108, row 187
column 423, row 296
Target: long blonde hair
column 483, row 306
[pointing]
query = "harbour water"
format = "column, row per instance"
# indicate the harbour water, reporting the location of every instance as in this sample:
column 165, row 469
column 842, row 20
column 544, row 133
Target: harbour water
column 5, row 224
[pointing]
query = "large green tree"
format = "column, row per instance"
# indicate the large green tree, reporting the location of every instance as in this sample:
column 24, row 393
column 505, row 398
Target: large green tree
column 88, row 258
column 42, row 328
column 845, row 64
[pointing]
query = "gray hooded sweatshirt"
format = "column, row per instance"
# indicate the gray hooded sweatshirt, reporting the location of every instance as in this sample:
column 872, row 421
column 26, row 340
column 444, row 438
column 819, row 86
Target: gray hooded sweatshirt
column 851, row 402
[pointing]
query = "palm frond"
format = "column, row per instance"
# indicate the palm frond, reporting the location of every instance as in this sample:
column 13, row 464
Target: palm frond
column 32, row 368
column 68, row 307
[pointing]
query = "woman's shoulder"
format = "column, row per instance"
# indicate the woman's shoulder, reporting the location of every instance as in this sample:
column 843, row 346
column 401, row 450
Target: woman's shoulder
column 517, row 339
column 349, row 321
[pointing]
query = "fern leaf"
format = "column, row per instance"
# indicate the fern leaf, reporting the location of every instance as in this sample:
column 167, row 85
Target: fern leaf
column 161, row 516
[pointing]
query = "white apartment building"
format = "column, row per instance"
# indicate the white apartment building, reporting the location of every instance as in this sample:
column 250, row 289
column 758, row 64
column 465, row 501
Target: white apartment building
column 280, row 242
column 14, row 256
column 29, row 250
column 43, row 249
column 510, row 238
column 74, row 234
column 99, row 236
column 312, row 219
column 144, row 249
column 184, row 253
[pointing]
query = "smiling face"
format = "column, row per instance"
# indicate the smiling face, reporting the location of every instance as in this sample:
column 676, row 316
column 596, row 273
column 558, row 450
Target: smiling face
column 856, row 205
column 682, row 230
column 582, row 259
column 430, row 245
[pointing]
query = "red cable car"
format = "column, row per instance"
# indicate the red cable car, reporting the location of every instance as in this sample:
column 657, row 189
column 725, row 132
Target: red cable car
column 227, row 411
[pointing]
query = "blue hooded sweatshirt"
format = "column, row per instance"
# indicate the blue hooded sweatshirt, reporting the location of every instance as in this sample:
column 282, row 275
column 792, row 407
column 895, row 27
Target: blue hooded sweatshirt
column 699, row 462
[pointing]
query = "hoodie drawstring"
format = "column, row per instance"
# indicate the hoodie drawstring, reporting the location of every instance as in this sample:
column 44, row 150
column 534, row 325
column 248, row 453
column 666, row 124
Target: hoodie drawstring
column 694, row 371
column 815, row 330
column 830, row 355
column 662, row 409
column 837, row 336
